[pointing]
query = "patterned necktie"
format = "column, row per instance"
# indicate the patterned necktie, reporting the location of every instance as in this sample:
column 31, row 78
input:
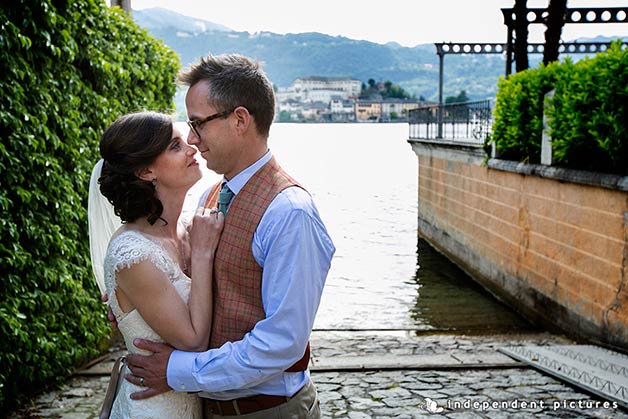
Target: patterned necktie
column 224, row 197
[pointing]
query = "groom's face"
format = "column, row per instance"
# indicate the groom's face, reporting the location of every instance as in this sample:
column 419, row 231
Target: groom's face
column 214, row 140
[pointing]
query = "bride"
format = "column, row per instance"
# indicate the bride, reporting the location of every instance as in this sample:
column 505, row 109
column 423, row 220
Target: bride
column 156, row 272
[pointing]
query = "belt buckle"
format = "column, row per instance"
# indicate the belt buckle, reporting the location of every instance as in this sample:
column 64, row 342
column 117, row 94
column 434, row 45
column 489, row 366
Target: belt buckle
column 215, row 407
column 236, row 408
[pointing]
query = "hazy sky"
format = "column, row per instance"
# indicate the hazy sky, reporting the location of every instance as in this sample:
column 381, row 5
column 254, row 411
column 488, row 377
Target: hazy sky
column 408, row 22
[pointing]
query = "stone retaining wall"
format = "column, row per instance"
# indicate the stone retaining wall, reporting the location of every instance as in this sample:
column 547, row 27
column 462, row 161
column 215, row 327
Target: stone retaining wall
column 552, row 243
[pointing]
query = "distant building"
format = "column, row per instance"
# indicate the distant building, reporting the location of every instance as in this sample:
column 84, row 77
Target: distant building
column 335, row 99
column 310, row 98
column 294, row 108
column 315, row 111
column 284, row 94
column 368, row 110
column 321, row 95
column 345, row 87
column 398, row 108
column 392, row 108
column 384, row 109
column 342, row 110
column 411, row 104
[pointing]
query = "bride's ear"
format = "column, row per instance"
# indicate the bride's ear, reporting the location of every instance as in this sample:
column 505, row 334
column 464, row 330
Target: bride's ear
column 146, row 174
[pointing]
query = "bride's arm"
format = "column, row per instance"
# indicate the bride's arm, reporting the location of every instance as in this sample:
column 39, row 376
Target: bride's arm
column 186, row 327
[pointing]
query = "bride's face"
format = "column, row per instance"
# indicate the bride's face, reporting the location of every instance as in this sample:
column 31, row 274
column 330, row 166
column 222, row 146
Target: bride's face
column 176, row 167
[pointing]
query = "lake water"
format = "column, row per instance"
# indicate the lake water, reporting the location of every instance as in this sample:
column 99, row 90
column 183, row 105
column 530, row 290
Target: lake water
column 363, row 178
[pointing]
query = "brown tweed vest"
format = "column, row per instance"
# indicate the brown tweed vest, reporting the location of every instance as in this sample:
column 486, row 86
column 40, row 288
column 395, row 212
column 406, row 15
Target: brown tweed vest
column 237, row 280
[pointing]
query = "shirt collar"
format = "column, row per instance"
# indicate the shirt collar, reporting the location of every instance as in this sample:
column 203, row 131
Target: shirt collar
column 237, row 183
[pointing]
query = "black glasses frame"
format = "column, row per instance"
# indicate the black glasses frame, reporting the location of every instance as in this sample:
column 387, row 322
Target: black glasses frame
column 198, row 122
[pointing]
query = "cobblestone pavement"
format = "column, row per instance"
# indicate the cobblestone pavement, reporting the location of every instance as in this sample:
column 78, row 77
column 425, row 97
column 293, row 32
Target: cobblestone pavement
column 365, row 374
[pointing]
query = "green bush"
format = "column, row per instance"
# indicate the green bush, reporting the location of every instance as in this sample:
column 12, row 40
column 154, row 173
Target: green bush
column 519, row 113
column 69, row 67
column 589, row 114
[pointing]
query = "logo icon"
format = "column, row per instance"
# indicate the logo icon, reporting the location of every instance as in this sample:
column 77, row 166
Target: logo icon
column 431, row 406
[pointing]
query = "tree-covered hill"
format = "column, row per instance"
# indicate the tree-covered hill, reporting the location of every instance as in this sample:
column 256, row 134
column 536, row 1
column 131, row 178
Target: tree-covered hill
column 290, row 56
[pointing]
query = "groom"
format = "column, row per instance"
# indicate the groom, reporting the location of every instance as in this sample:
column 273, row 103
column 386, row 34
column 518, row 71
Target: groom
column 270, row 266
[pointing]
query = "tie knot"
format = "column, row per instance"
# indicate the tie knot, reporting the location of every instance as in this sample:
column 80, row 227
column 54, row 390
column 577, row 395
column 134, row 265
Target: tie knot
column 224, row 198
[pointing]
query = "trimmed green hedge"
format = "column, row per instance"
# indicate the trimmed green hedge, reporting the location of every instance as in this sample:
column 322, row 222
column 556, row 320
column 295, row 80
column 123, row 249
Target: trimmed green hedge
column 587, row 116
column 70, row 67
column 589, row 113
column 519, row 113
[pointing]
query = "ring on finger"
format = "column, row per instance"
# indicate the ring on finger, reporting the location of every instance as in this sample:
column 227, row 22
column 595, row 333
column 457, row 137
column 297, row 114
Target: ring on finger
column 142, row 382
column 213, row 211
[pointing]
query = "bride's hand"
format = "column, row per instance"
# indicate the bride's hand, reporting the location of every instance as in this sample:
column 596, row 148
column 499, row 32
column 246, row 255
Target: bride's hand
column 205, row 232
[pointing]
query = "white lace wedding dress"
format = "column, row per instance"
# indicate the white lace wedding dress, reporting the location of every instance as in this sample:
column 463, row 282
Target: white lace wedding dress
column 128, row 248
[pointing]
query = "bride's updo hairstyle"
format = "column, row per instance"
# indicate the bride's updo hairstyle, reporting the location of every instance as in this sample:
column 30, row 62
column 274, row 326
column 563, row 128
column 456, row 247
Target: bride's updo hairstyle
column 130, row 144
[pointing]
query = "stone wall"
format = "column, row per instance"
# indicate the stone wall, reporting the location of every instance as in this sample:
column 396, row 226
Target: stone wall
column 552, row 243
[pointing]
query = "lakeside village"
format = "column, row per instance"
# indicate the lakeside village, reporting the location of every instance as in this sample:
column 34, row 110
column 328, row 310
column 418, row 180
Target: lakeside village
column 343, row 99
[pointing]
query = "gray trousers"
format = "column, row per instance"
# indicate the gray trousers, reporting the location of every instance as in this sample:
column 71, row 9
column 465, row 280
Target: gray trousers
column 303, row 405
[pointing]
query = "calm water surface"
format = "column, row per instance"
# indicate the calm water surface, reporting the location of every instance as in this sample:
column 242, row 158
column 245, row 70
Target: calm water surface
column 364, row 181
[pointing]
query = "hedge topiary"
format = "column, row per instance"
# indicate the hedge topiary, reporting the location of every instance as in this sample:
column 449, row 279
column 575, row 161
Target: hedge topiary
column 70, row 67
column 519, row 113
column 589, row 114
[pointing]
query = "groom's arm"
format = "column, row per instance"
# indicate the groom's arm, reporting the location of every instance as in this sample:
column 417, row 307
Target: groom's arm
column 295, row 251
column 110, row 316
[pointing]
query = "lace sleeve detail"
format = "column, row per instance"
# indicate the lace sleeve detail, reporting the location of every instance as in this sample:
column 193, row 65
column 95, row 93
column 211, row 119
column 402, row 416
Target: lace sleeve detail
column 130, row 248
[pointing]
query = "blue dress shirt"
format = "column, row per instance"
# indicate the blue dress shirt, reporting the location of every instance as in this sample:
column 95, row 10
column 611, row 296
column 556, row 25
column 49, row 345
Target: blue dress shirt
column 292, row 246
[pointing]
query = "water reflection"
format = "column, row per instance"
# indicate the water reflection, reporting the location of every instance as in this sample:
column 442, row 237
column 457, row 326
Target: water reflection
column 449, row 300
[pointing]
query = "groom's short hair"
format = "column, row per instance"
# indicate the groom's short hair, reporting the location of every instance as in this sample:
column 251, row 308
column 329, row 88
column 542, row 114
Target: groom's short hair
column 235, row 80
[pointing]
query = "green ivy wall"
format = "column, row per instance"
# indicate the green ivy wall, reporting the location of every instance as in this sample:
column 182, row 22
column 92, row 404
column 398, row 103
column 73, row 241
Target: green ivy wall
column 69, row 68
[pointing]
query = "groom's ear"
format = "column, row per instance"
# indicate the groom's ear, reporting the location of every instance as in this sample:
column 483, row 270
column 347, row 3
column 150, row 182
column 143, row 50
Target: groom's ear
column 242, row 119
column 146, row 174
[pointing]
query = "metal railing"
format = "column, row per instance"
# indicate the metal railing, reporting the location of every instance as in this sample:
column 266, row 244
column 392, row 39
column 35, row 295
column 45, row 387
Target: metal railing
column 468, row 122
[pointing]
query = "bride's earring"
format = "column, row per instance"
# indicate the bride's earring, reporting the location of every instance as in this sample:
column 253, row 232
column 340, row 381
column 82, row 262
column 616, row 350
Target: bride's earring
column 154, row 182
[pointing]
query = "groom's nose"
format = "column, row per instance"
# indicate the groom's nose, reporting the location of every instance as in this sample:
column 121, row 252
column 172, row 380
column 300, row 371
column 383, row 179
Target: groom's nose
column 192, row 138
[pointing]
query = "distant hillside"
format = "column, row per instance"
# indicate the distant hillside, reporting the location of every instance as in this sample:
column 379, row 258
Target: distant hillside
column 158, row 18
column 290, row 56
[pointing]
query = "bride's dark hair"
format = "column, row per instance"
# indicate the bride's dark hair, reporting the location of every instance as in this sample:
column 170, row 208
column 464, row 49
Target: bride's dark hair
column 130, row 144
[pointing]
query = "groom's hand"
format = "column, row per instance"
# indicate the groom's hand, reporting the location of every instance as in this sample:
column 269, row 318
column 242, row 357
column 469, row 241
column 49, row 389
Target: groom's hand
column 110, row 316
column 149, row 371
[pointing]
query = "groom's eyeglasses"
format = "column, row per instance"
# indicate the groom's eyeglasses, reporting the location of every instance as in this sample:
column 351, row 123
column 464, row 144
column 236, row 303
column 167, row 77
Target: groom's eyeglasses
column 195, row 124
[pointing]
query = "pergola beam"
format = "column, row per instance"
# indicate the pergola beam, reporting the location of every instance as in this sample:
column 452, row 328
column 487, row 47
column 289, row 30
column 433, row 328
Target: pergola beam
column 534, row 16
column 572, row 15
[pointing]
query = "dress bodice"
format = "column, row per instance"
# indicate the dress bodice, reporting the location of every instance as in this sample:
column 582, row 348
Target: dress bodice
column 125, row 250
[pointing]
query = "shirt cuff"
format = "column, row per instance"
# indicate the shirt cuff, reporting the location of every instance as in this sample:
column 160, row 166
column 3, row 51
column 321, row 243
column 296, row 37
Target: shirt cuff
column 179, row 371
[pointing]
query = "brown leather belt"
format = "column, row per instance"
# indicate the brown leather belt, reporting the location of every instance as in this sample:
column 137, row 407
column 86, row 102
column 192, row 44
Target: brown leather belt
column 244, row 405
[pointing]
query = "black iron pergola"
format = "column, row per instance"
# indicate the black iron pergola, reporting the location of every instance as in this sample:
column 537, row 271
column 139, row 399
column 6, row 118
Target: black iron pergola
column 534, row 16
column 579, row 15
